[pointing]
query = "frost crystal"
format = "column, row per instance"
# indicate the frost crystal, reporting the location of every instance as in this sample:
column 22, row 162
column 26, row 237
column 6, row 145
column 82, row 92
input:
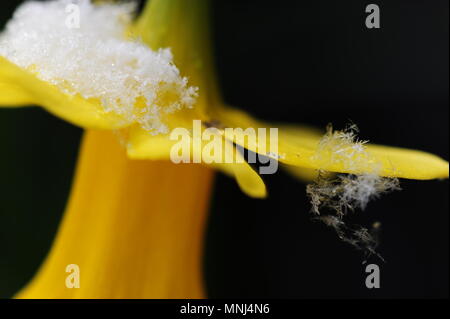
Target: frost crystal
column 96, row 61
column 344, row 147
column 338, row 194
column 348, row 192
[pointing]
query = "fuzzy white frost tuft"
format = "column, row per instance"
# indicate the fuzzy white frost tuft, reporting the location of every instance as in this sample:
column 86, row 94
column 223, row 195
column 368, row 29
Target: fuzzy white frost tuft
column 338, row 194
column 96, row 61
column 345, row 193
column 344, row 147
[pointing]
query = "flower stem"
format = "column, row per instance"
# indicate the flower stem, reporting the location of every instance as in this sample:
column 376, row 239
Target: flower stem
column 183, row 26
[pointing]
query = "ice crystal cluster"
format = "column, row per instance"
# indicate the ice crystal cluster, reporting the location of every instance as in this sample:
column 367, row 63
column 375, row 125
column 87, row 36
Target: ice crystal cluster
column 347, row 192
column 345, row 148
column 94, row 59
column 334, row 195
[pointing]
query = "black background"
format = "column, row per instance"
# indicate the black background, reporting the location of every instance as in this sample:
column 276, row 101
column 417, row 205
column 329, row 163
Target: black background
column 294, row 61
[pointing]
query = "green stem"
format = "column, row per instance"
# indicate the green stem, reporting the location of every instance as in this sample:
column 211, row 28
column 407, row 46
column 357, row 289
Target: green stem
column 182, row 26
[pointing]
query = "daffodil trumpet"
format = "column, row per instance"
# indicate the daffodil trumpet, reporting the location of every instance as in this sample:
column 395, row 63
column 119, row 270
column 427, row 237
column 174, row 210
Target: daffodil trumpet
column 135, row 220
column 134, row 228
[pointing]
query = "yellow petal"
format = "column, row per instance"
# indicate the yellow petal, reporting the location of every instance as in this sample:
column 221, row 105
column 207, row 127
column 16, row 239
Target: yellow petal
column 12, row 95
column 142, row 145
column 134, row 228
column 302, row 173
column 26, row 88
column 411, row 164
column 247, row 178
column 298, row 146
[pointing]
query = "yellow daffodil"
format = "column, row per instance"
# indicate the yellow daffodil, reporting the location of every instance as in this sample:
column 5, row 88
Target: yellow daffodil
column 134, row 223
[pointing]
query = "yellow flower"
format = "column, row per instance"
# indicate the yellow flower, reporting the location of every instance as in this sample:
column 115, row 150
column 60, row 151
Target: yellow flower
column 134, row 222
